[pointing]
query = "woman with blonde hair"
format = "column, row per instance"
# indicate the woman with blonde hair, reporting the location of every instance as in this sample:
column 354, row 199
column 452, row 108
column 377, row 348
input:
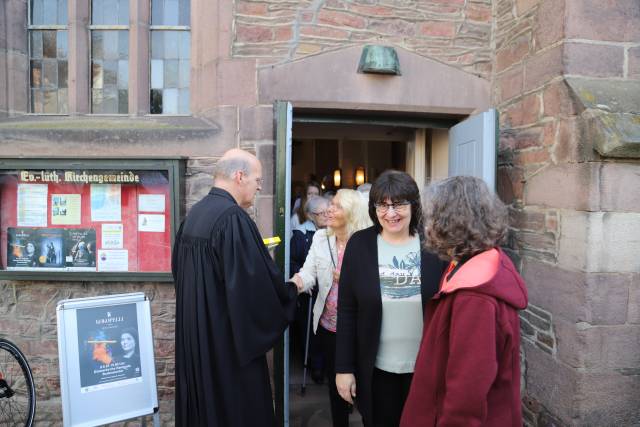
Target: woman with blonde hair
column 347, row 214
column 468, row 369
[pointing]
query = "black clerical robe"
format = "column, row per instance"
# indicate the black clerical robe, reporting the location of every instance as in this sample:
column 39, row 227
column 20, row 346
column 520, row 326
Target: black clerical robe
column 232, row 306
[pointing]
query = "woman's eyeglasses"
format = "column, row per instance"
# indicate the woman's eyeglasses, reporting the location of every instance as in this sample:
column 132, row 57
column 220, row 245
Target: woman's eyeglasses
column 399, row 206
column 320, row 213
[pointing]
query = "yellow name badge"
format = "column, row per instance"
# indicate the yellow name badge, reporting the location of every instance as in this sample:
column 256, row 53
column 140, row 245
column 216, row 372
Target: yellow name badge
column 271, row 242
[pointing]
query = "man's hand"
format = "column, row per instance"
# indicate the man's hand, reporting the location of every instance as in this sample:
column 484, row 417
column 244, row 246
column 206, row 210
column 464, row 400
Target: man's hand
column 298, row 281
column 346, row 384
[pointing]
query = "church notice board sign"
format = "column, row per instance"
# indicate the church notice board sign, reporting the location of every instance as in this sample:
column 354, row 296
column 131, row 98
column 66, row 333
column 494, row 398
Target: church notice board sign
column 107, row 369
column 90, row 219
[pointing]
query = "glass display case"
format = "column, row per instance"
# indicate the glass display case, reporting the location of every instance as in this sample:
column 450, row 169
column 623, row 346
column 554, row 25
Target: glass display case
column 88, row 219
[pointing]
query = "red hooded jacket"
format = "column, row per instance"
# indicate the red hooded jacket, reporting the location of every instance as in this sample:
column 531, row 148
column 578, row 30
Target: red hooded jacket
column 468, row 368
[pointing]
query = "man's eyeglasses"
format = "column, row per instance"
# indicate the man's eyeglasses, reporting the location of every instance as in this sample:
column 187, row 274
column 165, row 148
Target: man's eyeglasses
column 399, row 206
column 321, row 213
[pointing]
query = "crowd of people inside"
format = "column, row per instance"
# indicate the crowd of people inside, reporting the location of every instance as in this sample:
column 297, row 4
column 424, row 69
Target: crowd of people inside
column 414, row 305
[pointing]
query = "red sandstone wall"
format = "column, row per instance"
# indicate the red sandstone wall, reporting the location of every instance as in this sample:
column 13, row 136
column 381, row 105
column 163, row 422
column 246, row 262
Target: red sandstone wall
column 456, row 32
column 568, row 203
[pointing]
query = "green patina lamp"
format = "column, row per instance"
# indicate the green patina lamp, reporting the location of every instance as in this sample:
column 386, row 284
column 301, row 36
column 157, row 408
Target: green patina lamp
column 377, row 59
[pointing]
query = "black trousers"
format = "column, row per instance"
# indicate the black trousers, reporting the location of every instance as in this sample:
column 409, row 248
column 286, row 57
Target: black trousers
column 389, row 392
column 340, row 408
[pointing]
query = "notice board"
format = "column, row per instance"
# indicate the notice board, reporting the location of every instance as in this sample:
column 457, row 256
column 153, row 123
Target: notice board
column 107, row 369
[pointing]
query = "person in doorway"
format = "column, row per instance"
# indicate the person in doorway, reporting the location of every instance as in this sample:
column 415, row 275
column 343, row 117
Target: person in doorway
column 468, row 368
column 316, row 212
column 387, row 278
column 347, row 214
column 232, row 304
column 298, row 218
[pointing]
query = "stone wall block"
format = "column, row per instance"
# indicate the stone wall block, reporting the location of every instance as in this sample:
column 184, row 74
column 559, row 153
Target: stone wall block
column 3, row 30
column 524, row 112
column 237, row 82
column 555, row 289
column 253, row 33
column 251, row 8
column 394, row 27
column 600, row 241
column 617, row 180
column 226, row 119
column 18, row 82
column 318, row 31
column 266, row 155
column 615, row 20
column 256, row 123
column 264, row 206
column 527, row 219
column 16, row 36
column 633, row 316
column 554, row 187
column 4, row 87
column 510, row 183
column 633, row 70
column 573, row 143
column 478, row 12
column 558, row 101
column 524, row 6
column 436, row 29
column 538, row 242
column 549, row 25
column 520, row 139
column 513, row 53
column 576, row 347
column 558, row 396
column 597, row 408
column 543, row 67
column 510, row 84
column 340, row 19
column 580, row 59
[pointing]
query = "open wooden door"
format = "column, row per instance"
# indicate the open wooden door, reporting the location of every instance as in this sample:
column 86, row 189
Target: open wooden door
column 282, row 228
column 472, row 147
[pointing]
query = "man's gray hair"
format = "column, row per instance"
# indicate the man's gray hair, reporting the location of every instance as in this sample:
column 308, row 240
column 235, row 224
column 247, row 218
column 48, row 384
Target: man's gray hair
column 227, row 168
column 314, row 203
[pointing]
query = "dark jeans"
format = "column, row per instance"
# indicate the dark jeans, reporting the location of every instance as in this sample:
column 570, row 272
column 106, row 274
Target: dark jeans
column 389, row 392
column 339, row 407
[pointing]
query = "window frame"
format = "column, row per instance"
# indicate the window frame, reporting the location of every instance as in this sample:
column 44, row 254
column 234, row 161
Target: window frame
column 80, row 95
column 167, row 28
column 45, row 27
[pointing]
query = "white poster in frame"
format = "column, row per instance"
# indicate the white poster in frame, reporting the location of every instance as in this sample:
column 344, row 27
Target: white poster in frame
column 107, row 368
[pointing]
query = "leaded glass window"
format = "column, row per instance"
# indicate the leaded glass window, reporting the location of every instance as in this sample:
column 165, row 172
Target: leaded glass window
column 110, row 56
column 170, row 56
column 48, row 57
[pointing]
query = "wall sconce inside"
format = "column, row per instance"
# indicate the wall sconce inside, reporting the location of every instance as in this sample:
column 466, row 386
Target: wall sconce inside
column 360, row 178
column 337, row 178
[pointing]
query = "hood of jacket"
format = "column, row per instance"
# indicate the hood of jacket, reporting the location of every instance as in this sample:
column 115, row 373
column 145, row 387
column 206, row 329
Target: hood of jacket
column 490, row 273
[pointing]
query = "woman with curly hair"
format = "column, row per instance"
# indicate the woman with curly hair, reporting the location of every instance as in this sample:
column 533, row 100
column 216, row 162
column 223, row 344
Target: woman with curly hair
column 468, row 368
column 387, row 278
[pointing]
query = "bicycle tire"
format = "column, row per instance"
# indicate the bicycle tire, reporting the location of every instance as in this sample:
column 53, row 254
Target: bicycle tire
column 20, row 408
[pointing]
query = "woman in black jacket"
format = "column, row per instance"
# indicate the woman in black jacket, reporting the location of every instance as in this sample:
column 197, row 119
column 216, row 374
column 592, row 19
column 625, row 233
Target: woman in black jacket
column 387, row 278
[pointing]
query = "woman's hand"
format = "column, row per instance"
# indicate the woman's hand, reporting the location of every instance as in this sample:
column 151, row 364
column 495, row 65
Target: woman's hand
column 298, row 281
column 346, row 385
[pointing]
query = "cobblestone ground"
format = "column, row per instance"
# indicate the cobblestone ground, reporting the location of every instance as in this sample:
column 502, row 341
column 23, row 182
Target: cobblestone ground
column 312, row 409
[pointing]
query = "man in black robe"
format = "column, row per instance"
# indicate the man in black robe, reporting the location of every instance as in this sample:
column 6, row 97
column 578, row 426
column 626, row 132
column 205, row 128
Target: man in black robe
column 232, row 305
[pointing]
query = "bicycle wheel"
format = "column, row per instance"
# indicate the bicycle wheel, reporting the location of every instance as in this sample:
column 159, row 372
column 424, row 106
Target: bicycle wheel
column 17, row 389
